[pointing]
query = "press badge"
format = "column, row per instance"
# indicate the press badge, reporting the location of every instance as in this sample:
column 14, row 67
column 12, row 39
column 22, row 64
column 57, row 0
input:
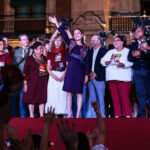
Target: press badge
column 61, row 65
column 58, row 58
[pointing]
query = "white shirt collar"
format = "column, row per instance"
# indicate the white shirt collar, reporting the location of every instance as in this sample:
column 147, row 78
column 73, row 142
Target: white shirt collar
column 95, row 49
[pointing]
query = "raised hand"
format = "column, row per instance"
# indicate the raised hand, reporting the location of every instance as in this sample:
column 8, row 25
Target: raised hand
column 95, row 106
column 68, row 135
column 54, row 20
column 49, row 117
column 92, row 137
column 101, row 136
column 25, row 144
column 11, row 132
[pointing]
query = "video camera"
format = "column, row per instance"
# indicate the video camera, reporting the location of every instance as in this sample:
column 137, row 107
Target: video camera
column 104, row 34
column 64, row 22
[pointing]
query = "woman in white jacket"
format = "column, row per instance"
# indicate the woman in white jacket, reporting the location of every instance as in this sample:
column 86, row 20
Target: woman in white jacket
column 119, row 76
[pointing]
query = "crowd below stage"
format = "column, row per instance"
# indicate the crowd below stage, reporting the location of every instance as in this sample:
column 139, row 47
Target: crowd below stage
column 64, row 68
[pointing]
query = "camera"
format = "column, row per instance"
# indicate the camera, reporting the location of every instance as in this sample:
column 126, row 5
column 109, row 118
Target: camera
column 146, row 24
column 64, row 22
column 104, row 35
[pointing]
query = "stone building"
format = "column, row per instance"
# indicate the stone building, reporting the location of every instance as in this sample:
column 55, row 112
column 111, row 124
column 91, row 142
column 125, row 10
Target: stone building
column 93, row 16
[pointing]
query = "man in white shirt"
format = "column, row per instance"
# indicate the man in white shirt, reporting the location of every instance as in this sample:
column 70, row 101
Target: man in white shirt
column 96, row 84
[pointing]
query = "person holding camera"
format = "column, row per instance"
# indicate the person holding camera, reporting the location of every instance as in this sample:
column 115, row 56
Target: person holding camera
column 141, row 59
column 77, row 69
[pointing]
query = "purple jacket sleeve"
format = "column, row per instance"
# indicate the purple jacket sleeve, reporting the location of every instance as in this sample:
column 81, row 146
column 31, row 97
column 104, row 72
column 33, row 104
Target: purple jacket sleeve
column 64, row 35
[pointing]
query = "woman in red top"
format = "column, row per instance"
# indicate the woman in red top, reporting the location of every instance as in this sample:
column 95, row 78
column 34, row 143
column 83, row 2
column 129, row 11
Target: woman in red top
column 5, row 58
column 56, row 66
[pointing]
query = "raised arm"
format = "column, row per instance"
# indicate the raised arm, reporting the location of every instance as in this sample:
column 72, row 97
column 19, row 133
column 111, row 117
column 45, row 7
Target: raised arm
column 54, row 20
column 52, row 39
column 69, row 33
column 49, row 118
column 64, row 35
column 68, row 135
column 99, row 135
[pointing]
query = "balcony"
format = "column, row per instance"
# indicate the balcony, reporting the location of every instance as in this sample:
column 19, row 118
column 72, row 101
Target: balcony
column 124, row 24
column 13, row 27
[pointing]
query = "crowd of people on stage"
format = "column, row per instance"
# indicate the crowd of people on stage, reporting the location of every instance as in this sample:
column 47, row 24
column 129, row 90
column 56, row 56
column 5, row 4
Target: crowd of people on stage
column 55, row 72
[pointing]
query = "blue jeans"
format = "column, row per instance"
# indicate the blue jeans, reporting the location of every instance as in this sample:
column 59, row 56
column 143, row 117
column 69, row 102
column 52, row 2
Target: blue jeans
column 84, row 106
column 96, row 93
column 23, row 112
column 13, row 106
column 1, row 84
column 142, row 84
column 12, row 101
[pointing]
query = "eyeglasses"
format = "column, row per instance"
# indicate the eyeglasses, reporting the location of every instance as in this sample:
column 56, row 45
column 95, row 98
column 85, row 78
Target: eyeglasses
column 138, row 31
column 116, row 41
column 41, row 48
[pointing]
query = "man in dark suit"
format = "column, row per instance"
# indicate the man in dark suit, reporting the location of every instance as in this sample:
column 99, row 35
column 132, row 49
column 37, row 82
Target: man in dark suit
column 19, row 59
column 141, row 64
column 97, row 84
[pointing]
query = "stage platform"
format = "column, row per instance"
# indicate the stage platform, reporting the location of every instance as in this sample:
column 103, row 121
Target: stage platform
column 122, row 133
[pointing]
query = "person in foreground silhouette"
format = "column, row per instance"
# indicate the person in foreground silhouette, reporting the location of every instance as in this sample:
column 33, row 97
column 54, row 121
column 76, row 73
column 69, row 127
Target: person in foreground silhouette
column 77, row 141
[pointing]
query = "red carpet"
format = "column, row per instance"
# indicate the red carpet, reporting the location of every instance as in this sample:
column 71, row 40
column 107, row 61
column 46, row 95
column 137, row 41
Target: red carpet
column 122, row 134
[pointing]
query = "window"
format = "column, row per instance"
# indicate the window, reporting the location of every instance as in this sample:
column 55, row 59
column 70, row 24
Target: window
column 22, row 12
column 30, row 11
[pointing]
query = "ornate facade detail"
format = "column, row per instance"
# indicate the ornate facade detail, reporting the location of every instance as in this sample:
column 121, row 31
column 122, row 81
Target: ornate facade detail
column 89, row 21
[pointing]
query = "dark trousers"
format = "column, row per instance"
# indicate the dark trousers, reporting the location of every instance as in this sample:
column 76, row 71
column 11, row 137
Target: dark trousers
column 142, row 85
